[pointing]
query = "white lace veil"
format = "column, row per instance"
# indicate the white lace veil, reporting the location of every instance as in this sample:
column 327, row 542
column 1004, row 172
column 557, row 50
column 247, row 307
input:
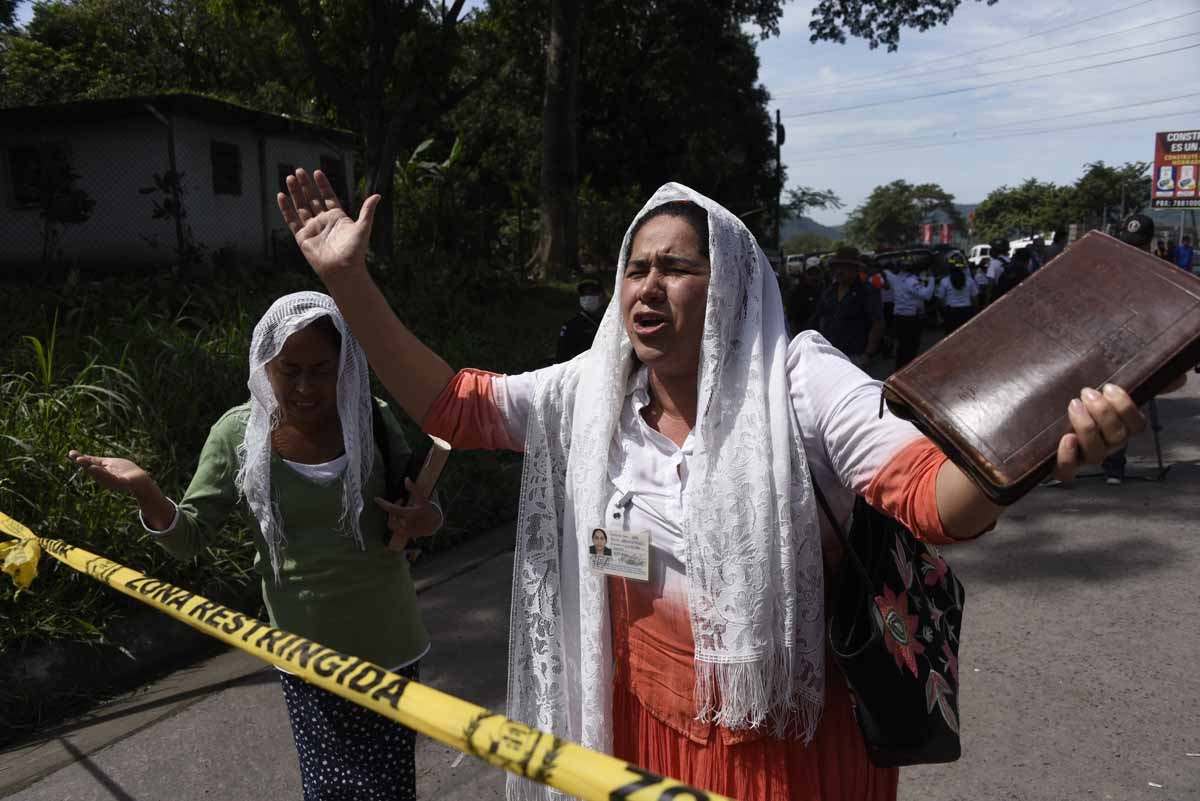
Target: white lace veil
column 286, row 316
column 754, row 569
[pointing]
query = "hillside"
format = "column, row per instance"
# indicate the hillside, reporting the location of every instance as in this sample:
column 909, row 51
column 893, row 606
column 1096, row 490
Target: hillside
column 804, row 225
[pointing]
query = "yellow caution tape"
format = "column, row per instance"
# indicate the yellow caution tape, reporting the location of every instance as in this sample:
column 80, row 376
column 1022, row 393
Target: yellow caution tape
column 501, row 742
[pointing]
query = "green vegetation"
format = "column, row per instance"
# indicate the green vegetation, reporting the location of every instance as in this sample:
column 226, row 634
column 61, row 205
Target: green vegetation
column 1100, row 197
column 142, row 367
column 891, row 216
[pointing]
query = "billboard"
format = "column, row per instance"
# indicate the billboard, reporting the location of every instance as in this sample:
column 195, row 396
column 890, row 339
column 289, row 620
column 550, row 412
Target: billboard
column 1176, row 170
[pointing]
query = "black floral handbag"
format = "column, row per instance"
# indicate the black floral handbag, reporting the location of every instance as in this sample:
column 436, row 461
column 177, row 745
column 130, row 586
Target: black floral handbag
column 894, row 632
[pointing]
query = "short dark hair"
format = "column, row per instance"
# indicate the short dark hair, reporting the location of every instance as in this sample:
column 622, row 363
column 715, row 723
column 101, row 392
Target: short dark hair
column 685, row 210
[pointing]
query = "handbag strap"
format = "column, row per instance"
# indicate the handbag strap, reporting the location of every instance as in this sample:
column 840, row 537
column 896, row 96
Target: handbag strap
column 841, row 532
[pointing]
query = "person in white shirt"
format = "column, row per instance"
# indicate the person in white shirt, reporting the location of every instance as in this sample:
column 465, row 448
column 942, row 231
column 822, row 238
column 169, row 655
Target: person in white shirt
column 996, row 265
column 957, row 292
column 910, row 293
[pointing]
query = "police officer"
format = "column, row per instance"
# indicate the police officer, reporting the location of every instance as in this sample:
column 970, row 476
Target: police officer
column 576, row 336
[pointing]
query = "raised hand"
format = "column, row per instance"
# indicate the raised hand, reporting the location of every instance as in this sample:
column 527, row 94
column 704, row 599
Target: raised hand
column 113, row 473
column 329, row 239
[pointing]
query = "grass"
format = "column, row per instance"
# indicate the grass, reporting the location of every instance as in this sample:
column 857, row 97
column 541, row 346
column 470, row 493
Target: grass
column 141, row 367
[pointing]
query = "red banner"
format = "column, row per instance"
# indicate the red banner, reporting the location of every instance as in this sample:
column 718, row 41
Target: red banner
column 945, row 234
column 926, row 233
column 1176, row 170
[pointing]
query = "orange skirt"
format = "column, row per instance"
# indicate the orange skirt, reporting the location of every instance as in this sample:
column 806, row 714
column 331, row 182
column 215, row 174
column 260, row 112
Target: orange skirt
column 653, row 683
column 834, row 767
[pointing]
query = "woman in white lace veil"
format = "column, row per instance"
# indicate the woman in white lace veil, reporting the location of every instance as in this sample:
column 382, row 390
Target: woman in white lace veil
column 305, row 455
column 694, row 420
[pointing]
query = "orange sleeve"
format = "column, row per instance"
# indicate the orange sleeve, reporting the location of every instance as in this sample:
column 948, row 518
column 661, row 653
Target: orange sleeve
column 466, row 416
column 906, row 489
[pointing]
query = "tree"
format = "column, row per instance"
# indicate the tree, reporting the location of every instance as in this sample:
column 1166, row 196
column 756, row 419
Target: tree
column 558, row 252
column 1031, row 208
column 93, row 49
column 879, row 22
column 1104, row 193
column 639, row 74
column 892, row 214
column 805, row 198
column 8, row 13
column 385, row 68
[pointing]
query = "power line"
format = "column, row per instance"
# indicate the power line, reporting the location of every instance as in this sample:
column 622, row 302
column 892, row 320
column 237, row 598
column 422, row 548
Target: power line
column 946, row 92
column 950, row 134
column 1089, row 55
column 907, row 74
column 975, row 140
column 1028, row 36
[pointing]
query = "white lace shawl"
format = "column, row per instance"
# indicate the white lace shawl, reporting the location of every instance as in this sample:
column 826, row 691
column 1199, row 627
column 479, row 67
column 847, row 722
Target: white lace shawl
column 754, row 572
column 286, row 316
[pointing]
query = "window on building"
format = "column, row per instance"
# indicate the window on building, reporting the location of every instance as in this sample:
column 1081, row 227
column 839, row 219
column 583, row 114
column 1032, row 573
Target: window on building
column 39, row 171
column 335, row 170
column 226, row 168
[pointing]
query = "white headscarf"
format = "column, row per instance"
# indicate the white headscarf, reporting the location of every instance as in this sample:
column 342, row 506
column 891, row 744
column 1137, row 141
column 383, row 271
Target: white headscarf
column 755, row 584
column 286, row 316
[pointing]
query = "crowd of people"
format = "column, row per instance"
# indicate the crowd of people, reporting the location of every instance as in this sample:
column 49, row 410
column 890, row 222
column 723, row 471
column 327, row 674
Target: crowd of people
column 871, row 306
column 879, row 305
column 697, row 419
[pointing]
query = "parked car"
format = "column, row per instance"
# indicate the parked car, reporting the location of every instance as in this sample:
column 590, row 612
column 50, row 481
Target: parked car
column 794, row 264
column 980, row 255
column 1016, row 244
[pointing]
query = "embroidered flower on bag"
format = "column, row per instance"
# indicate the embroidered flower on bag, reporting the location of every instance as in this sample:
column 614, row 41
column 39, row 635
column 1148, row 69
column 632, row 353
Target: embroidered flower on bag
column 950, row 661
column 903, row 565
column 933, row 568
column 938, row 693
column 899, row 628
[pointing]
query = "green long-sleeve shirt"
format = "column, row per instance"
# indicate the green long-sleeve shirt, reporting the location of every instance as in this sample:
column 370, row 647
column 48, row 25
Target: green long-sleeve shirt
column 358, row 600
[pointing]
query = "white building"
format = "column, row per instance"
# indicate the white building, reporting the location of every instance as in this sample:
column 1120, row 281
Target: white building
column 231, row 160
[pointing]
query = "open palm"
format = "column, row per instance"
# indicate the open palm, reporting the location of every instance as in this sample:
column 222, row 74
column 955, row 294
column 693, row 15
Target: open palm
column 328, row 237
column 111, row 472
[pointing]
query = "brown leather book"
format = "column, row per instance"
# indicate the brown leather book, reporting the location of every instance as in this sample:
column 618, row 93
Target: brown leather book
column 993, row 395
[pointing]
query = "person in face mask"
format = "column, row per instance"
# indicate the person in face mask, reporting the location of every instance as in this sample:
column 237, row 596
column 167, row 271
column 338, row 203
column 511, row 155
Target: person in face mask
column 576, row 336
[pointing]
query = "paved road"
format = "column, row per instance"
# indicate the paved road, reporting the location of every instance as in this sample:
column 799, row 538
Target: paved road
column 1079, row 669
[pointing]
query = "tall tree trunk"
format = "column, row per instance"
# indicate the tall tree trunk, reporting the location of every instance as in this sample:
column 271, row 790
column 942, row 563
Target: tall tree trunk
column 558, row 252
column 379, row 150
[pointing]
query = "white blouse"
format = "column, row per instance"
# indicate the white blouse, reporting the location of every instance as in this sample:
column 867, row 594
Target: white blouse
column 845, row 439
column 958, row 298
column 910, row 292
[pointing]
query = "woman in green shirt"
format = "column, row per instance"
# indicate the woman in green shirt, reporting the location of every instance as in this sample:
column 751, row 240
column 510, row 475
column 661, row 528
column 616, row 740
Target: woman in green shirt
column 303, row 454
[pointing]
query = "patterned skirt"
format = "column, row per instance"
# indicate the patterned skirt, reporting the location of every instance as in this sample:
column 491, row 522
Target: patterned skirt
column 348, row 753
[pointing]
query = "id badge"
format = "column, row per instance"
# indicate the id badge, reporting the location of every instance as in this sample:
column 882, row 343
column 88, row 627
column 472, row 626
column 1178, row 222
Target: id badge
column 625, row 554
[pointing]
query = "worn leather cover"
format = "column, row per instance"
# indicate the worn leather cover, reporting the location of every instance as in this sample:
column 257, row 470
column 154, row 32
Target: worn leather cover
column 993, row 395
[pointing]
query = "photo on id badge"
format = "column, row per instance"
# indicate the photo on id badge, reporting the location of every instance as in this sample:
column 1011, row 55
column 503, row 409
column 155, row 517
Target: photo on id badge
column 620, row 553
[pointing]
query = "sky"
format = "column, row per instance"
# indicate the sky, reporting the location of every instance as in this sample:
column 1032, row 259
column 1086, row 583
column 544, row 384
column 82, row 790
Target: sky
column 853, row 151
column 963, row 140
